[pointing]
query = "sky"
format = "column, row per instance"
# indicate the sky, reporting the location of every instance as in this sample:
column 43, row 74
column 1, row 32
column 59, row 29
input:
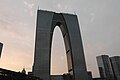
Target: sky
column 99, row 22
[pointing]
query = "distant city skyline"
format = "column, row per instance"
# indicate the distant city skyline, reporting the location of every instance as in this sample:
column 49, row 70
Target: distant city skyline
column 100, row 29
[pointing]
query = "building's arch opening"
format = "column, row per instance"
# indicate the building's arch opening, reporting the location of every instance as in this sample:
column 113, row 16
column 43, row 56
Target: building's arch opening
column 58, row 54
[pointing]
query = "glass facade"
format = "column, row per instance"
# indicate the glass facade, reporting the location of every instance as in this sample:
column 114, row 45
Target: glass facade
column 116, row 66
column 105, row 67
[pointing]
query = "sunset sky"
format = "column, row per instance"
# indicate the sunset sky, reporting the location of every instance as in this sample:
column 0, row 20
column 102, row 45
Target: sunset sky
column 99, row 22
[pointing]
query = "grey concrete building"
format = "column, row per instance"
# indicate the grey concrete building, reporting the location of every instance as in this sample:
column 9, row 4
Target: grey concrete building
column 68, row 23
column 1, row 46
column 105, row 67
column 116, row 66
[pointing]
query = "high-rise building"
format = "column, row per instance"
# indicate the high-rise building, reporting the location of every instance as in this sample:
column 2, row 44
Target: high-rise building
column 115, row 61
column 46, row 23
column 1, row 45
column 105, row 67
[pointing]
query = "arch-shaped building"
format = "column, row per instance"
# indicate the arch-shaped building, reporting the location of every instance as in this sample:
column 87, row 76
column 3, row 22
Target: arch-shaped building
column 69, row 26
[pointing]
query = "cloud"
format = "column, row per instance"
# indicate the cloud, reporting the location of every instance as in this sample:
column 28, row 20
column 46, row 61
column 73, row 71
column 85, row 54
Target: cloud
column 14, row 33
column 64, row 7
column 29, row 7
column 17, row 49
